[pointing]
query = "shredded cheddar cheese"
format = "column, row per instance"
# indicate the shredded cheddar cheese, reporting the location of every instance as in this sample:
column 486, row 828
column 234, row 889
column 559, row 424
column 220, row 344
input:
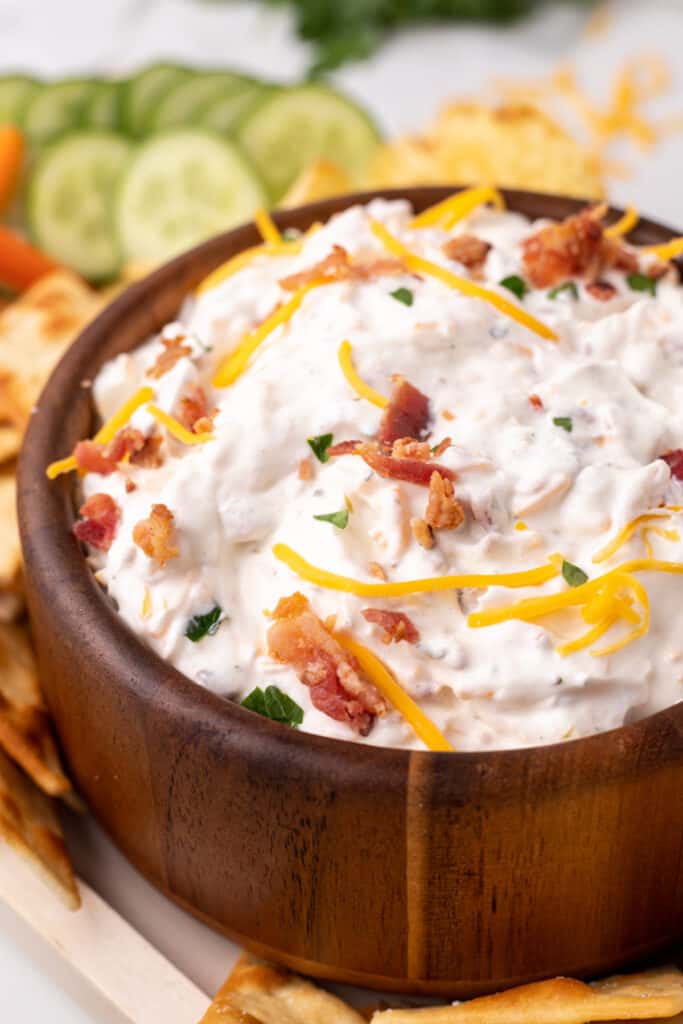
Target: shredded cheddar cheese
column 146, row 610
column 461, row 284
column 236, row 363
column 668, row 251
column 359, row 386
column 624, row 224
column 449, row 211
column 626, row 533
column 268, row 229
column 176, row 429
column 389, row 687
column 106, row 433
column 345, row 584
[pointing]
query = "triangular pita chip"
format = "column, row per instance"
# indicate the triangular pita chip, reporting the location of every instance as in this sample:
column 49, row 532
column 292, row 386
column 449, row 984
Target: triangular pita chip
column 28, row 822
column 258, row 993
column 25, row 731
column 652, row 994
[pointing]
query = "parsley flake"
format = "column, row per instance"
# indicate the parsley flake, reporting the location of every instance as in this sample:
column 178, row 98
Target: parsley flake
column 574, row 576
column 569, row 287
column 319, row 446
column 565, row 422
column 274, row 704
column 207, row 624
column 642, row 283
column 403, row 295
column 339, row 519
column 515, row 284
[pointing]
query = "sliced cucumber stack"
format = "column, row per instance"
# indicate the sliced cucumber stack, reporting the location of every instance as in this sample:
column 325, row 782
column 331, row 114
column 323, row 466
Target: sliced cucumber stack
column 16, row 92
column 186, row 102
column 293, row 127
column 227, row 111
column 180, row 188
column 57, row 108
column 70, row 202
column 145, row 91
column 103, row 111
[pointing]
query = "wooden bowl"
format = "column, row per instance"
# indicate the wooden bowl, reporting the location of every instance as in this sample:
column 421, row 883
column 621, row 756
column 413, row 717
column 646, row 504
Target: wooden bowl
column 412, row 871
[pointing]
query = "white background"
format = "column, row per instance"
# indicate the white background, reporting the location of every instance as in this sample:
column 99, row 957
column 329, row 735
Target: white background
column 403, row 86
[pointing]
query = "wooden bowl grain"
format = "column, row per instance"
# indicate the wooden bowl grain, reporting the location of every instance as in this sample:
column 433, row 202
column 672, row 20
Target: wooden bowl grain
column 419, row 872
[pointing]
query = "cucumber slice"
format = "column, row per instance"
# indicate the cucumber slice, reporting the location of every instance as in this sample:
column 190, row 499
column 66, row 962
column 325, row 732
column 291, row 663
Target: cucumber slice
column 145, row 91
column 180, row 188
column 103, row 111
column 186, row 102
column 70, row 201
column 293, row 127
column 16, row 92
column 57, row 108
column 226, row 112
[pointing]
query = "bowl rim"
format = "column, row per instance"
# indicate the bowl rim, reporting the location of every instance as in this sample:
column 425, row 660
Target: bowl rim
column 47, row 510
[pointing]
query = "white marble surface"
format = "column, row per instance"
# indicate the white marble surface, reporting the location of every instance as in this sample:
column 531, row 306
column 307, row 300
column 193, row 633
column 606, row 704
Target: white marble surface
column 403, row 86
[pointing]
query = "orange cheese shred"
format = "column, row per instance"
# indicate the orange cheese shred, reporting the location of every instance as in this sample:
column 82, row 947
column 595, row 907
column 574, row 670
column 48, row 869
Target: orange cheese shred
column 345, row 359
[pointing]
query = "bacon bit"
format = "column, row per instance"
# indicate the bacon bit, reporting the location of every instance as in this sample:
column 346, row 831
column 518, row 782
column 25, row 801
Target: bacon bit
column 194, row 413
column 448, row 415
column 305, row 469
column 299, row 639
column 99, row 523
column 674, row 461
column 536, row 401
column 174, row 350
column 407, row 414
column 337, row 266
column 376, row 570
column 444, row 511
column 414, row 471
column 156, row 535
column 344, row 448
column 442, row 446
column 575, row 247
column 422, row 533
column 130, row 486
column 395, row 626
column 95, row 458
column 406, row 448
column 603, row 291
column 468, row 250
column 149, row 456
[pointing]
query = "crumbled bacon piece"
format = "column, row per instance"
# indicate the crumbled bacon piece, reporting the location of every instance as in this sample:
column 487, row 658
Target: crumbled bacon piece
column 305, row 471
column 156, row 535
column 468, row 250
column 603, row 291
column 406, row 448
column 414, row 471
column 130, row 486
column 395, row 626
column 149, row 456
column 99, row 523
column 536, row 401
column 444, row 511
column 96, row 458
column 576, row 247
column 376, row 570
column 338, row 688
column 337, row 266
column 674, row 461
column 194, row 411
column 344, row 448
column 422, row 533
column 441, row 447
column 174, row 349
column 407, row 414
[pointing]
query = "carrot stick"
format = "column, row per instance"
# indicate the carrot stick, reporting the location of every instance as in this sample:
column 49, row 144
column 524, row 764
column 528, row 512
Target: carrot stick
column 11, row 160
column 20, row 263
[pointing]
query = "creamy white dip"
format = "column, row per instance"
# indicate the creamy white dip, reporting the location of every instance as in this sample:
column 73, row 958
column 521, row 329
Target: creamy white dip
column 530, row 487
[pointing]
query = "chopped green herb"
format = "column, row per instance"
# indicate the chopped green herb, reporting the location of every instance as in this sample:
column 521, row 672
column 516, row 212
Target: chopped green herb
column 642, row 283
column 565, row 422
column 319, row 446
column 516, row 285
column 573, row 575
column 200, row 626
column 569, row 287
column 339, row 519
column 291, row 234
column 403, row 295
column 274, row 704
